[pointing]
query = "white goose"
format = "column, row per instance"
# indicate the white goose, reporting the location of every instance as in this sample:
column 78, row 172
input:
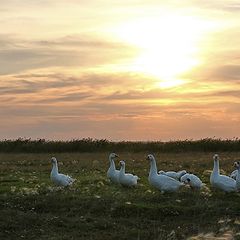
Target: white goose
column 127, row 179
column 160, row 181
column 58, row 178
column 172, row 174
column 221, row 182
column 194, row 181
column 112, row 173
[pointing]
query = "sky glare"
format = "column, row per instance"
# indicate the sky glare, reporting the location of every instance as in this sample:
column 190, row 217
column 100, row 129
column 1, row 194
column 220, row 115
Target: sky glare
column 120, row 70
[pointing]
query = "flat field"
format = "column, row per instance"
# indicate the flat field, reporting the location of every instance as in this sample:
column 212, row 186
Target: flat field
column 93, row 208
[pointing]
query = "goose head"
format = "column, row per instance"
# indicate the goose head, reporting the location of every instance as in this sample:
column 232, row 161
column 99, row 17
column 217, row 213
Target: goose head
column 113, row 155
column 237, row 164
column 53, row 160
column 215, row 157
column 122, row 163
column 150, row 157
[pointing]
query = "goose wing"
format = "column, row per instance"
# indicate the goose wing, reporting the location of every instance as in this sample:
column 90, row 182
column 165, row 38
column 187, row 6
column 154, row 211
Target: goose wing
column 172, row 174
column 65, row 179
column 129, row 179
column 226, row 183
column 166, row 183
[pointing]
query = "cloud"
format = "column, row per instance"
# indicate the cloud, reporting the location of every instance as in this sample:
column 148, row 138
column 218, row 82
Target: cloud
column 62, row 109
column 226, row 93
column 68, row 97
column 226, row 73
column 231, row 6
column 81, row 41
column 222, row 74
column 123, row 122
column 219, row 58
column 35, row 83
column 107, row 93
column 18, row 55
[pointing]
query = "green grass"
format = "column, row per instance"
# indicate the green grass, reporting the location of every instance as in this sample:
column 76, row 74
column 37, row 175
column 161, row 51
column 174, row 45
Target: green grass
column 93, row 208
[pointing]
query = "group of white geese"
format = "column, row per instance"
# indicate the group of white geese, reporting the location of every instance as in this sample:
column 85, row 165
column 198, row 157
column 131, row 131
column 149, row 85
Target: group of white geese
column 164, row 181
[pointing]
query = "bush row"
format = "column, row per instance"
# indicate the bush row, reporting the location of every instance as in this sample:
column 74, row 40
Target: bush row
column 101, row 145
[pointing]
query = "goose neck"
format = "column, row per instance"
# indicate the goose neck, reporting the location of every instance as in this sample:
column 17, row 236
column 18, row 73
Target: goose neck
column 153, row 167
column 122, row 169
column 112, row 163
column 216, row 167
column 54, row 168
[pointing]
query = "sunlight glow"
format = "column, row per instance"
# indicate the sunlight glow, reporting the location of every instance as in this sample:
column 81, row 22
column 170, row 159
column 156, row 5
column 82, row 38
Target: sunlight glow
column 169, row 45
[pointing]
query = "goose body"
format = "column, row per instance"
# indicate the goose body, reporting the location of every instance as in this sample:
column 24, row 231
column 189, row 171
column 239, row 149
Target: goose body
column 222, row 182
column 172, row 174
column 193, row 180
column 162, row 182
column 59, row 179
column 237, row 165
column 127, row 179
column 112, row 173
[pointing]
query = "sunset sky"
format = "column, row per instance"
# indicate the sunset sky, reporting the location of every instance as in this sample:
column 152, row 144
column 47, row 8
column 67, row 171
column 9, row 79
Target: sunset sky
column 120, row 70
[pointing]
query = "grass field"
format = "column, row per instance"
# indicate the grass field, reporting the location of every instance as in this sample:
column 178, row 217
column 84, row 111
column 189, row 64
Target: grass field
column 93, row 208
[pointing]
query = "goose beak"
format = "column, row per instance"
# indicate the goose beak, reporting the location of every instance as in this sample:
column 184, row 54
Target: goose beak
column 116, row 155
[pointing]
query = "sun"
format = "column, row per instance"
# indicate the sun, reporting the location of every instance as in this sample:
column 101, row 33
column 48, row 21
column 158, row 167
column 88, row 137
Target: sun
column 168, row 45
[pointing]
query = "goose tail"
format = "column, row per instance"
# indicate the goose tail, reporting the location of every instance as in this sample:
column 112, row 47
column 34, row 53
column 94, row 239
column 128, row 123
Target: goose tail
column 71, row 180
column 138, row 178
